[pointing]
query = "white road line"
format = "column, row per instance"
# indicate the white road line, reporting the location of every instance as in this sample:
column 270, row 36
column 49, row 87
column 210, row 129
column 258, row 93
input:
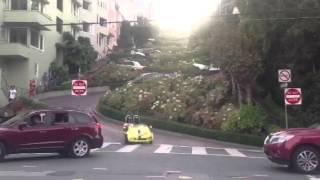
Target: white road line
column 128, row 148
column 29, row 166
column 101, row 169
column 105, row 144
column 24, row 173
column 234, row 152
column 312, row 177
column 199, row 150
column 164, row 149
column 260, row 175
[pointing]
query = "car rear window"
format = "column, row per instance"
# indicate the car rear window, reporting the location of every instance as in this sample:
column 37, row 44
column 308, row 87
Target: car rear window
column 82, row 118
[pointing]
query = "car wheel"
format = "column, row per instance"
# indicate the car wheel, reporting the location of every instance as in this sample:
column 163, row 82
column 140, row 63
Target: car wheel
column 2, row 151
column 79, row 148
column 306, row 159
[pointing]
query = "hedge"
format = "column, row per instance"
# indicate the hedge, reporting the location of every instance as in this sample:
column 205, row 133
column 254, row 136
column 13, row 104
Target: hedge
column 245, row 139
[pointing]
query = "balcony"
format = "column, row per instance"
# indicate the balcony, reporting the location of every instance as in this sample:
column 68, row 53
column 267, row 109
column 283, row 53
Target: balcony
column 16, row 51
column 27, row 18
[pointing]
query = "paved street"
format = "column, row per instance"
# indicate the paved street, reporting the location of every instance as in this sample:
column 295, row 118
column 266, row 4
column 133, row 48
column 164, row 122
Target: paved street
column 171, row 156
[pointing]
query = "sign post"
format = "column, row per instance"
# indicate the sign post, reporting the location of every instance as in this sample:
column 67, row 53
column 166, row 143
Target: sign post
column 292, row 97
column 79, row 87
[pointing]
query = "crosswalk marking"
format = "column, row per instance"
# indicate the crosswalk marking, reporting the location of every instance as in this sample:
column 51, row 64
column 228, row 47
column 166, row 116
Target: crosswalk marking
column 235, row 152
column 199, row 150
column 128, row 148
column 164, row 149
column 104, row 145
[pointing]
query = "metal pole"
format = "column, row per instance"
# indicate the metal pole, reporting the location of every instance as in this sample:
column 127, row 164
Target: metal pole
column 286, row 114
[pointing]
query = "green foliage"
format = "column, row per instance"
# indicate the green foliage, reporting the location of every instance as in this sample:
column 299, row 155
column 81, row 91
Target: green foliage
column 125, row 40
column 253, row 51
column 249, row 120
column 59, row 74
column 112, row 74
column 77, row 53
column 186, row 129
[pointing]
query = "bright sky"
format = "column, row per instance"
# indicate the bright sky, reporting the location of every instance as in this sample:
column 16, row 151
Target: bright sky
column 180, row 15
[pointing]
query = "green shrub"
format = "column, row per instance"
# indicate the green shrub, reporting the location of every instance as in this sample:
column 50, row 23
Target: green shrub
column 187, row 129
column 249, row 120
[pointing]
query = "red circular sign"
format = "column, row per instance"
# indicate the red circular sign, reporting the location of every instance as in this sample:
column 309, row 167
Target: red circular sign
column 79, row 87
column 293, row 96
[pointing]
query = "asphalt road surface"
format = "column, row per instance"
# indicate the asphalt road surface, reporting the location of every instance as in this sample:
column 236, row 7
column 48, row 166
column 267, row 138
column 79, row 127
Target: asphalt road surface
column 172, row 156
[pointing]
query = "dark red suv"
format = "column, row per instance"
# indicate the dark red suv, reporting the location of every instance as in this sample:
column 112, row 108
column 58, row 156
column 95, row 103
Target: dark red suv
column 297, row 148
column 68, row 132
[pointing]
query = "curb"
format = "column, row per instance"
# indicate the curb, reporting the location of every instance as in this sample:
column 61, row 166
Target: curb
column 53, row 94
column 114, row 121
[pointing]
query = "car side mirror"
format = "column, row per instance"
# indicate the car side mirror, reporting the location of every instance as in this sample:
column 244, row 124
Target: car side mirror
column 22, row 125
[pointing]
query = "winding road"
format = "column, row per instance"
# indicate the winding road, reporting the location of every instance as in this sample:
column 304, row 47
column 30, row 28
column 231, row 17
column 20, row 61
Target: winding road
column 172, row 156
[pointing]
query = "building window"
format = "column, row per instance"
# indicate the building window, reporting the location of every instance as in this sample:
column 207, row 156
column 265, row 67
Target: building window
column 36, row 70
column 86, row 27
column 86, row 5
column 75, row 9
column 103, row 22
column 60, row 5
column 74, row 32
column 59, row 25
column 101, row 39
column 36, row 39
column 18, row 35
column 41, row 42
column 19, row 4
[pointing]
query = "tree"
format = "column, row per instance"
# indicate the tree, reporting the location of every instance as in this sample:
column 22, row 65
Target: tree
column 143, row 31
column 125, row 40
column 77, row 55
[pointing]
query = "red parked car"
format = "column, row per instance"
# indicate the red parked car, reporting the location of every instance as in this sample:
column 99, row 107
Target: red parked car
column 68, row 132
column 297, row 148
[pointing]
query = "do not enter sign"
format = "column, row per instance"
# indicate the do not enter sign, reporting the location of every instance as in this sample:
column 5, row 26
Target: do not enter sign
column 293, row 96
column 79, row 88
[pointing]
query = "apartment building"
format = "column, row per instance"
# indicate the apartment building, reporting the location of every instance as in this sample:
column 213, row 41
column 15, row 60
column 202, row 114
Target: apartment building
column 30, row 30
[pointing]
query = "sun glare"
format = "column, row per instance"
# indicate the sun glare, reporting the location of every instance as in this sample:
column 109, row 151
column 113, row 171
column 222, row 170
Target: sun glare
column 183, row 15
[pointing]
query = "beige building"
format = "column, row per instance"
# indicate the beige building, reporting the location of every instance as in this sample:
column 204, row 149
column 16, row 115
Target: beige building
column 30, row 29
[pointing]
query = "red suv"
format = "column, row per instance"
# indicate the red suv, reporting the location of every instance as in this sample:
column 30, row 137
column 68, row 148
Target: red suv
column 68, row 132
column 297, row 148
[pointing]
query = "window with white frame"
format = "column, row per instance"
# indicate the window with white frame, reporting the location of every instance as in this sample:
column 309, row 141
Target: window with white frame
column 36, row 70
column 36, row 39
column 75, row 9
column 86, row 5
column 18, row 35
column 19, row 4
column 86, row 27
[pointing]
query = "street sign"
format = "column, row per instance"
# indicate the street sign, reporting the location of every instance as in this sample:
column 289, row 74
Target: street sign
column 293, row 96
column 284, row 75
column 79, row 87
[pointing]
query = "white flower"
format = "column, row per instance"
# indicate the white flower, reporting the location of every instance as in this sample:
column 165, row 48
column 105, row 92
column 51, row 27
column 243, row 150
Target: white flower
column 168, row 100
column 174, row 109
column 162, row 106
column 224, row 119
column 229, row 109
column 174, row 98
column 178, row 100
column 170, row 117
